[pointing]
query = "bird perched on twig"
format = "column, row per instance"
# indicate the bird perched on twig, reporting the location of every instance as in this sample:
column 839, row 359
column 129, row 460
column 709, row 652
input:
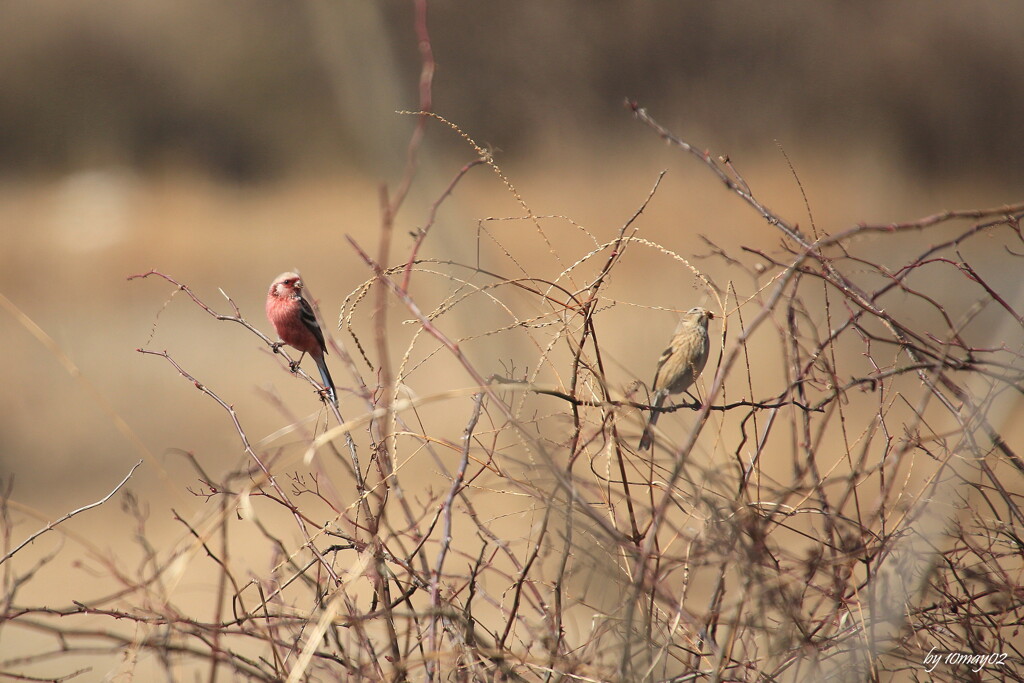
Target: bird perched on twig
column 680, row 364
column 295, row 322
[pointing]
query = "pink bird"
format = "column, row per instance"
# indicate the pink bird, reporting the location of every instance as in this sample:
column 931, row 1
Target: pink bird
column 296, row 324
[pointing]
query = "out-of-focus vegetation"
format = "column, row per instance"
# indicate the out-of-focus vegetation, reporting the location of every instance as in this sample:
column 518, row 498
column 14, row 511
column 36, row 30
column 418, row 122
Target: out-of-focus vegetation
column 222, row 143
column 259, row 88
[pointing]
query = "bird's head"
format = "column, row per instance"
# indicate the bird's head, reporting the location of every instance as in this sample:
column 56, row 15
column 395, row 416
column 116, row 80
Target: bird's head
column 698, row 315
column 286, row 284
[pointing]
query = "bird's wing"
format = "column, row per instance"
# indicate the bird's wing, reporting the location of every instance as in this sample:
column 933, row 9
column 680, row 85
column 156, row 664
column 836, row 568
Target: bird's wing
column 309, row 320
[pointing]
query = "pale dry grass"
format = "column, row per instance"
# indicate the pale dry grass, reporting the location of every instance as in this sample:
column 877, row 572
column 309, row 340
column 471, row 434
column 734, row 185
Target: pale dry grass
column 773, row 543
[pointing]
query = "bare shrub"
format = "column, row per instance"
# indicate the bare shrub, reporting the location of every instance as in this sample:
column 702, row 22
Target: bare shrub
column 841, row 503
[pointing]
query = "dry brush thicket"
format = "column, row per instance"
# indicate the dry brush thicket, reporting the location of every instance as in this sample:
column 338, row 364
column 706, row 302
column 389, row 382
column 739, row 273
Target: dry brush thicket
column 842, row 501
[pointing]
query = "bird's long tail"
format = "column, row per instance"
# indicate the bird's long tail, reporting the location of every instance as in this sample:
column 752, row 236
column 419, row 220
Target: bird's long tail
column 325, row 375
column 648, row 438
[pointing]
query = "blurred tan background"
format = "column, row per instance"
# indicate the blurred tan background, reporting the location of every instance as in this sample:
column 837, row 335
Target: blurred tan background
column 223, row 143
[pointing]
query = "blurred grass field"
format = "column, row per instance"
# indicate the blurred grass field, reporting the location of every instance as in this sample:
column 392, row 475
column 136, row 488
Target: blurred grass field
column 72, row 242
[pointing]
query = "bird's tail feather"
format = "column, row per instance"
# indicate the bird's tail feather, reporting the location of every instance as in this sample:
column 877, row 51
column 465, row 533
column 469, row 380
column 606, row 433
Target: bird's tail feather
column 325, row 375
column 648, row 438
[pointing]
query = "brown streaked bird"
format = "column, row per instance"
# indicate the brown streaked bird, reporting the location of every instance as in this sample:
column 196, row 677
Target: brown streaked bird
column 680, row 364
